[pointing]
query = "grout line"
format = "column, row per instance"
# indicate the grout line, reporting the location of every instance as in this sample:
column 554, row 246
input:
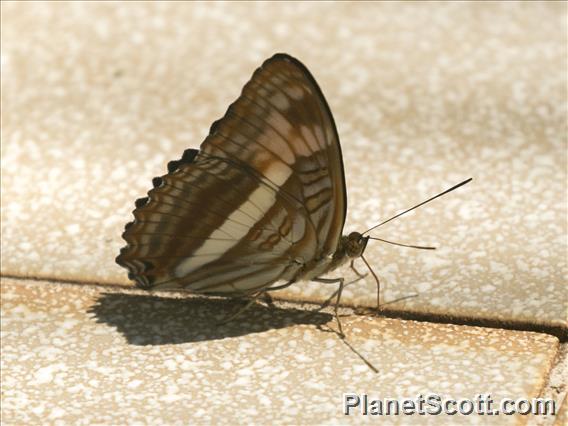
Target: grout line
column 560, row 331
column 68, row 282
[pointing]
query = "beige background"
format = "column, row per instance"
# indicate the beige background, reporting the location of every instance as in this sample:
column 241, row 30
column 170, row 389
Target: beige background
column 98, row 97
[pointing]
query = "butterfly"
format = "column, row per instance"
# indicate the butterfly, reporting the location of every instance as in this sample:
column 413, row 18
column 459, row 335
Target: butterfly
column 262, row 201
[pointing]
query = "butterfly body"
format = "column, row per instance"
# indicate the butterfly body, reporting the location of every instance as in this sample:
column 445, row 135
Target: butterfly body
column 263, row 199
column 349, row 247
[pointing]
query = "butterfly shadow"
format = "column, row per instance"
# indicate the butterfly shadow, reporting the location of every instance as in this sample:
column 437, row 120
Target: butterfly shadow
column 155, row 320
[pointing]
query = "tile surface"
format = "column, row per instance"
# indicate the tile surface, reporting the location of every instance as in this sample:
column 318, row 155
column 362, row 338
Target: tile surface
column 98, row 97
column 68, row 351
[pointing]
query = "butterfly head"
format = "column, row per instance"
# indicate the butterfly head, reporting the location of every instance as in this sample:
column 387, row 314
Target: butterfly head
column 355, row 244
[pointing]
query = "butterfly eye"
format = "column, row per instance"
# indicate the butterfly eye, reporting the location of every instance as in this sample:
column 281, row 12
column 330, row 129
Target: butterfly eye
column 355, row 236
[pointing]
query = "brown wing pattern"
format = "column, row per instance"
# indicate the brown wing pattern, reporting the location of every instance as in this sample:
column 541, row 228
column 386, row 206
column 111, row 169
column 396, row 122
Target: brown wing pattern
column 264, row 196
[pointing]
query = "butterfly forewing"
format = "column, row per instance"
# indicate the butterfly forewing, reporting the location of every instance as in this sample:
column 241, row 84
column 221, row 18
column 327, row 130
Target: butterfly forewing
column 264, row 196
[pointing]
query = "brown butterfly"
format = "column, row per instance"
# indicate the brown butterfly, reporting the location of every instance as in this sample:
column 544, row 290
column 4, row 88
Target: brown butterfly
column 262, row 201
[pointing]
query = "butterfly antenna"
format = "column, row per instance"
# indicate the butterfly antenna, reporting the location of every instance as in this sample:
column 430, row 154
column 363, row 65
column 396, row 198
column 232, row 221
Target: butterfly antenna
column 421, row 204
column 403, row 245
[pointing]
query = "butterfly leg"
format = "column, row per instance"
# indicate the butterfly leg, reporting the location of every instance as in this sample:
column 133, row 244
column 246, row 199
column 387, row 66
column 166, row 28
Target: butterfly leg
column 376, row 280
column 280, row 287
column 264, row 294
column 330, row 298
column 341, row 282
column 327, row 301
column 359, row 274
column 244, row 308
column 268, row 299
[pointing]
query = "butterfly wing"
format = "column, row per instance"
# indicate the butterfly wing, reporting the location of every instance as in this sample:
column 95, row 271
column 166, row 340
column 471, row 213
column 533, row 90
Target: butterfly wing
column 264, row 196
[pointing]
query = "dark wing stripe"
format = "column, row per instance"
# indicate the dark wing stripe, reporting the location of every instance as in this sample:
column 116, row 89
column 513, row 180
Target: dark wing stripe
column 161, row 202
column 219, row 198
column 210, row 255
column 141, row 216
column 180, row 236
column 302, row 109
column 163, row 199
column 256, row 88
column 263, row 198
column 322, row 198
column 267, row 186
column 245, row 126
column 274, row 134
column 321, row 179
column 271, row 153
column 307, row 133
column 299, row 107
column 169, row 256
column 324, row 121
column 201, row 187
column 219, row 176
column 281, row 117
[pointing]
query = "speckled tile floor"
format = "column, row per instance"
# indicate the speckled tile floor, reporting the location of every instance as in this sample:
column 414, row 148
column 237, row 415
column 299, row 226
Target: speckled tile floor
column 89, row 117
column 97, row 97
column 86, row 354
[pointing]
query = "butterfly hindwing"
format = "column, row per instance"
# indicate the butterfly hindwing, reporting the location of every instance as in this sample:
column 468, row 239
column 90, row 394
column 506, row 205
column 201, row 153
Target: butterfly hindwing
column 264, row 196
